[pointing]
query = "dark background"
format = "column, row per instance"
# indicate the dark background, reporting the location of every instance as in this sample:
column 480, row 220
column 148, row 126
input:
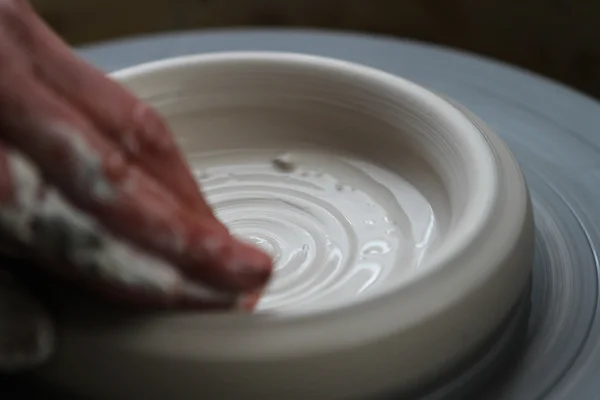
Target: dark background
column 556, row 38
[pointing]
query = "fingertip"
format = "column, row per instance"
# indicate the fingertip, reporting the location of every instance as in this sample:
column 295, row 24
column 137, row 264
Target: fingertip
column 250, row 301
column 250, row 264
column 227, row 263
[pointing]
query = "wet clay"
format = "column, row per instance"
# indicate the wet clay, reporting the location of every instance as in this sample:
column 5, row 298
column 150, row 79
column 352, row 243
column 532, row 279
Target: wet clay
column 401, row 230
column 339, row 228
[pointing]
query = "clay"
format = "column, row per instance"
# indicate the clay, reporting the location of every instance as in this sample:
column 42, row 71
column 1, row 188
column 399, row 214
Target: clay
column 403, row 237
column 337, row 237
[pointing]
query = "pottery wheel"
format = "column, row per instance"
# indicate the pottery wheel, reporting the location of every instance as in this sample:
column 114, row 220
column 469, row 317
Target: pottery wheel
column 551, row 130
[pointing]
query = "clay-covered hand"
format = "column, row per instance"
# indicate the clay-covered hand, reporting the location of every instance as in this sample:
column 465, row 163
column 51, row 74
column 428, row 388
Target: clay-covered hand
column 93, row 186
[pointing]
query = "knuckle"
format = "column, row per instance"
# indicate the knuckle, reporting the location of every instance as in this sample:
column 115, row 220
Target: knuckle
column 148, row 127
column 11, row 9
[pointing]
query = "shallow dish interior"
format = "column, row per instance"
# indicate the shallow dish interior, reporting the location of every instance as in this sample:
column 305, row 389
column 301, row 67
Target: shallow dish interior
column 352, row 187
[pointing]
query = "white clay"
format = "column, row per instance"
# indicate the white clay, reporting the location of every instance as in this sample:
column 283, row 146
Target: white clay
column 333, row 243
column 402, row 238
column 87, row 162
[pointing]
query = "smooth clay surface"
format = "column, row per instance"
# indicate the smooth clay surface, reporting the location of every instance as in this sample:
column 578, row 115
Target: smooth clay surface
column 553, row 132
column 339, row 228
column 401, row 229
column 321, row 176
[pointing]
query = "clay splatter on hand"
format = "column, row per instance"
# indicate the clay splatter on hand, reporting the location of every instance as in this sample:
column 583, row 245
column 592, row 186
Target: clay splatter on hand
column 92, row 179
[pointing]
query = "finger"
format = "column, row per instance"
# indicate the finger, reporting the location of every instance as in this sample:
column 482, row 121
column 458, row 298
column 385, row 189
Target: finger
column 141, row 291
column 95, row 177
column 62, row 237
column 198, row 242
column 61, row 283
column 27, row 335
column 78, row 248
column 141, row 299
column 250, row 301
column 138, row 208
column 131, row 125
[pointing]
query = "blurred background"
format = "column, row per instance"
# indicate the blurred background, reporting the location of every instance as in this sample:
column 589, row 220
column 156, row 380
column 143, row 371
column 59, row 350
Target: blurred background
column 556, row 38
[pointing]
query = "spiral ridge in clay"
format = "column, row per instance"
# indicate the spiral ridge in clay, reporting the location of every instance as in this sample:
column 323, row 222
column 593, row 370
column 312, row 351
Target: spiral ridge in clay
column 335, row 236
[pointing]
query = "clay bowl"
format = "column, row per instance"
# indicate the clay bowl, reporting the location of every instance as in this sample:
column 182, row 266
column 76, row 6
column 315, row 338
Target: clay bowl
column 402, row 231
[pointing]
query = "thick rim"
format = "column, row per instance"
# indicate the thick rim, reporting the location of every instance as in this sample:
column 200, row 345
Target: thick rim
column 478, row 214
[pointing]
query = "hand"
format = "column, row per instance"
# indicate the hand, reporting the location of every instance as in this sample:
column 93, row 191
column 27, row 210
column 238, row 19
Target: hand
column 93, row 185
